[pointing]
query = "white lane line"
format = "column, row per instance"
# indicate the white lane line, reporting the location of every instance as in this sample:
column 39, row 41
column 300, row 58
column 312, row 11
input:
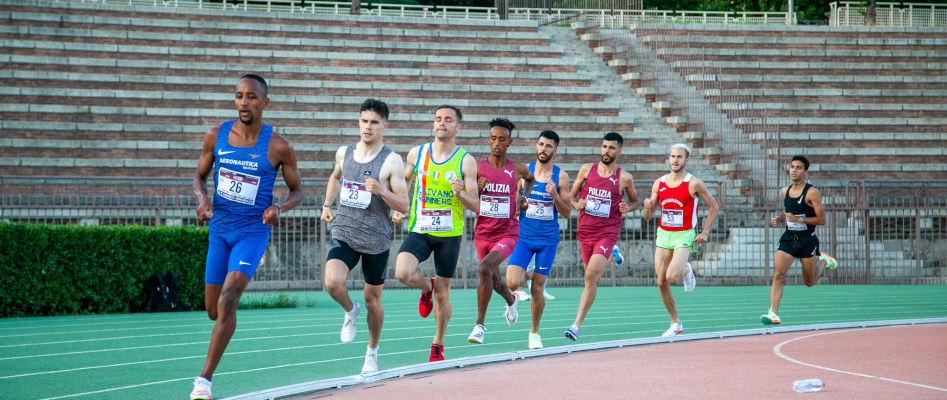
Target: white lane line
column 779, row 353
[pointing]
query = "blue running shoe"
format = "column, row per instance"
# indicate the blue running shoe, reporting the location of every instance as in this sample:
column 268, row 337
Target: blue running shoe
column 573, row 333
column 617, row 253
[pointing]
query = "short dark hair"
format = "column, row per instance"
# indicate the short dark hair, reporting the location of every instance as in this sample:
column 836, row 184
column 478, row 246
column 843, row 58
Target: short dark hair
column 376, row 106
column 802, row 159
column 503, row 123
column 257, row 78
column 460, row 116
column 614, row 137
column 551, row 135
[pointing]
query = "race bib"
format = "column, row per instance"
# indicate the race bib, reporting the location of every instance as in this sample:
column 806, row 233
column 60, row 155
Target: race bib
column 797, row 226
column 672, row 218
column 494, row 207
column 354, row 195
column 539, row 209
column 436, row 220
column 237, row 186
column 598, row 206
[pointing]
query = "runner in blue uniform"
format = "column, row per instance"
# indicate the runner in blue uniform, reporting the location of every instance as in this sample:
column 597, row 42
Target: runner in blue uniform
column 245, row 156
column 539, row 228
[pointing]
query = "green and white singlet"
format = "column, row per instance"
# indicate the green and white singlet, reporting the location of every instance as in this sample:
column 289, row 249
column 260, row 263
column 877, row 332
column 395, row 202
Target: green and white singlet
column 434, row 209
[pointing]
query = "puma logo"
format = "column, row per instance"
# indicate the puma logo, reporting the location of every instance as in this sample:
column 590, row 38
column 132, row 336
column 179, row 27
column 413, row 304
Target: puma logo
column 254, row 156
column 614, row 180
column 510, row 173
column 603, row 248
column 502, row 245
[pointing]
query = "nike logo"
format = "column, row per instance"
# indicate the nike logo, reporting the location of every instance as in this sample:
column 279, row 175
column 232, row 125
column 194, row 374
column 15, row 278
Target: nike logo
column 221, row 152
column 510, row 173
column 613, row 181
column 243, row 263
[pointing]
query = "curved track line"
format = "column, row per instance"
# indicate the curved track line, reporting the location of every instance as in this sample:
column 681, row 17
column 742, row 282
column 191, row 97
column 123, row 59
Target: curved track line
column 779, row 353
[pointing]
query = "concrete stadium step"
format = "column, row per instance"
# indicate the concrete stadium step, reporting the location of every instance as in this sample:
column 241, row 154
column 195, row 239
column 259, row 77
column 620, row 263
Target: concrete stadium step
column 784, row 32
column 835, row 79
column 812, row 55
column 785, row 41
column 814, row 67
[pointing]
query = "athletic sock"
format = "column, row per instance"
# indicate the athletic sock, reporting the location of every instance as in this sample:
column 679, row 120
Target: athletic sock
column 373, row 351
column 351, row 313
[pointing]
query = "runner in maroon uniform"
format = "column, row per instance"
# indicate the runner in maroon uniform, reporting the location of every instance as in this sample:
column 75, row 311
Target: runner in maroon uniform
column 497, row 227
column 598, row 194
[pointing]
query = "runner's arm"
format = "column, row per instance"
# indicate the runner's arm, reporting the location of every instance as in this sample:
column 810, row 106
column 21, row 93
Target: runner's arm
column 333, row 187
column 398, row 216
column 205, row 164
column 470, row 196
column 287, row 157
column 650, row 204
column 629, row 183
column 700, row 190
column 563, row 199
column 814, row 200
column 527, row 178
column 574, row 199
column 781, row 216
column 397, row 197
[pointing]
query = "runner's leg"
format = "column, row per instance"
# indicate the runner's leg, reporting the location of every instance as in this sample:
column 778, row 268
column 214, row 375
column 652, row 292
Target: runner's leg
column 376, row 314
column 336, row 273
column 662, row 260
column 211, row 295
column 490, row 280
column 781, row 263
column 677, row 268
column 812, row 269
column 593, row 273
column 406, row 270
column 226, row 323
column 442, row 307
column 538, row 302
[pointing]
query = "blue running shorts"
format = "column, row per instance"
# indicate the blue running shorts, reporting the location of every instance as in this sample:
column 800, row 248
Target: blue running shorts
column 237, row 251
column 545, row 254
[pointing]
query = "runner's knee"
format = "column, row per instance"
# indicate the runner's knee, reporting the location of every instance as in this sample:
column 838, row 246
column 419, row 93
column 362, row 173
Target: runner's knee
column 227, row 305
column 334, row 285
column 441, row 297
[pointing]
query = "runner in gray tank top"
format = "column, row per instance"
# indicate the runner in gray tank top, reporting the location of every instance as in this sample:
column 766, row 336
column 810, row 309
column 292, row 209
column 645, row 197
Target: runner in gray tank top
column 368, row 180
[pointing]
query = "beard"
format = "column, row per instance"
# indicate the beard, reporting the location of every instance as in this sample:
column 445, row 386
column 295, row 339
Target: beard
column 248, row 120
column 541, row 159
column 607, row 160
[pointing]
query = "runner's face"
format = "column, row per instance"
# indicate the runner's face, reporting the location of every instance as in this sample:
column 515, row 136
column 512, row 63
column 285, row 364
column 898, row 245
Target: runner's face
column 250, row 100
column 446, row 125
column 678, row 160
column 545, row 149
column 499, row 140
column 610, row 151
column 797, row 171
column 371, row 126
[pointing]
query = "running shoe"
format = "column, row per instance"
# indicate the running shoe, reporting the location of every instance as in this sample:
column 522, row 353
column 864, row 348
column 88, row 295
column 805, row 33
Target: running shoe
column 617, row 253
column 437, row 353
column 511, row 314
column 371, row 363
column 547, row 295
column 690, row 281
column 426, row 304
column 477, row 335
column 830, row 262
column 674, row 330
column 348, row 325
column 523, row 295
column 201, row 390
column 573, row 333
column 770, row 318
column 535, row 342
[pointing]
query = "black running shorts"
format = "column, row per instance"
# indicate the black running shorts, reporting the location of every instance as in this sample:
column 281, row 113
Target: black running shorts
column 799, row 246
column 374, row 266
column 445, row 249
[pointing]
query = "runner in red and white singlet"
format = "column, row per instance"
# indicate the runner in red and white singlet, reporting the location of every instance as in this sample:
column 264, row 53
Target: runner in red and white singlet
column 598, row 194
column 677, row 194
column 497, row 227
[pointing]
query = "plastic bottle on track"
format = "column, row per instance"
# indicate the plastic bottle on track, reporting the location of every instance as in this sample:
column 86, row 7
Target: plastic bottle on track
column 807, row 386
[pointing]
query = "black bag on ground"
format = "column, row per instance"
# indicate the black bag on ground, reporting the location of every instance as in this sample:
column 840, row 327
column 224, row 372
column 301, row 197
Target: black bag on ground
column 163, row 294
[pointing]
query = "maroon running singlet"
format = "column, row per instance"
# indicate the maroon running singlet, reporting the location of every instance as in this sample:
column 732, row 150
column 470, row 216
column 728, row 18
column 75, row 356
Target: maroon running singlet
column 497, row 226
column 600, row 221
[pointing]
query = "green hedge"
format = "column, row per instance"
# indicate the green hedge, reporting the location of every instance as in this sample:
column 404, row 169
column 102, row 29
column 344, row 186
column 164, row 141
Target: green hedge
column 72, row 269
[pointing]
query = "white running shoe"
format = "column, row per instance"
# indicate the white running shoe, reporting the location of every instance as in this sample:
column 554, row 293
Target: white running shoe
column 348, row 326
column 201, row 389
column 371, row 363
column 511, row 314
column 547, row 295
column 477, row 335
column 522, row 295
column 690, row 281
column 674, row 330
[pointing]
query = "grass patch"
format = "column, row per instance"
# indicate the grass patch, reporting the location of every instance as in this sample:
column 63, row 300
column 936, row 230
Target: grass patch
column 281, row 300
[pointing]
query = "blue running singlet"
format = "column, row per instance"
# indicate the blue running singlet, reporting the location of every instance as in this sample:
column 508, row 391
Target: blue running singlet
column 540, row 222
column 243, row 181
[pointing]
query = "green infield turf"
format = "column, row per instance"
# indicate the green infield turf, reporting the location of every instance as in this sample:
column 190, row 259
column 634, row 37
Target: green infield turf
column 157, row 356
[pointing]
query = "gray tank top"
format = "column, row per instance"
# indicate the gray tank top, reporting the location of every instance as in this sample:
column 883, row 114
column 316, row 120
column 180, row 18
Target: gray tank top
column 362, row 220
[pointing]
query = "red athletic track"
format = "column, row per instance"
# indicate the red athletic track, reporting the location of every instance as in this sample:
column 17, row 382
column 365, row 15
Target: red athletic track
column 744, row 367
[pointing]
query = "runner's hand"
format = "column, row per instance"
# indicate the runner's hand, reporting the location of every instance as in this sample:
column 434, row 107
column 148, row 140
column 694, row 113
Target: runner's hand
column 551, row 189
column 327, row 215
column 458, row 186
column 647, row 204
column 205, row 211
column 701, row 238
column 481, row 183
column 271, row 216
column 523, row 206
column 397, row 217
column 623, row 207
column 775, row 220
column 372, row 186
column 793, row 218
column 581, row 205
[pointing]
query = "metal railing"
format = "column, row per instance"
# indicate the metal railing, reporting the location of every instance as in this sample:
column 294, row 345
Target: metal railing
column 852, row 13
column 907, row 239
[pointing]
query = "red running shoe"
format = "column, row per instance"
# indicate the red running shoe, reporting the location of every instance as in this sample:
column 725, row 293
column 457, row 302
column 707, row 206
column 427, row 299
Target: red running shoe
column 437, row 352
column 426, row 304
